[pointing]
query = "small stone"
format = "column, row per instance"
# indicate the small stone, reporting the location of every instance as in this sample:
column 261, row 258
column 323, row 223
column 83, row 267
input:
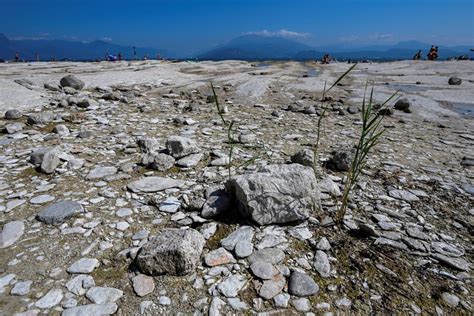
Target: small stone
column 79, row 284
column 323, row 244
column 321, row 264
column 11, row 233
column 215, row 205
column 72, row 81
column 164, row 300
column 101, row 172
column 21, row 288
column 84, row 265
column 170, row 205
column 270, row 255
column 263, row 270
column 271, row 288
column 91, row 309
column 143, row 285
column 189, row 161
column 454, row 81
column 13, row 114
column 41, row 199
column 50, row 161
column 450, row 299
column 301, row 284
column 179, row 147
column 243, row 249
column 102, row 295
column 281, row 300
column 231, row 286
column 58, row 212
column 50, row 299
column 218, row 257
column 402, row 104
column 302, row 304
column 343, row 303
column 61, row 129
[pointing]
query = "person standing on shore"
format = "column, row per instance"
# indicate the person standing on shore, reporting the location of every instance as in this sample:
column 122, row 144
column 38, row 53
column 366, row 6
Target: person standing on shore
column 417, row 55
column 17, row 57
column 134, row 53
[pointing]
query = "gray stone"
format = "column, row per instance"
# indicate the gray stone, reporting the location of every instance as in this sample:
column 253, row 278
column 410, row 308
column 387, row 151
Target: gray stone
column 142, row 234
column 454, row 81
column 153, row 184
column 402, row 104
column 160, row 256
column 341, row 159
column 217, row 257
column 277, row 194
column 216, row 305
column 61, row 129
column 323, row 244
column 158, row 161
column 243, row 249
column 14, row 128
column 83, row 265
column 72, row 81
column 50, row 161
column 11, row 233
column 403, row 195
column 263, row 270
column 343, row 303
column 281, row 300
column 450, row 299
column 40, row 118
column 13, row 114
column 321, row 264
column 189, row 161
column 302, row 304
column 273, row 287
column 270, row 255
column 301, row 284
column 37, row 156
column 102, row 295
column 215, row 204
column 50, row 299
column 170, row 205
column 179, row 146
column 59, row 212
column 164, row 300
column 389, row 242
column 87, row 103
column 143, row 285
column 456, row 263
column 237, row 304
column 304, row 157
column 41, row 199
column 243, row 233
column 101, row 172
column 326, row 185
column 231, row 286
column 91, row 309
column 21, row 288
column 79, row 284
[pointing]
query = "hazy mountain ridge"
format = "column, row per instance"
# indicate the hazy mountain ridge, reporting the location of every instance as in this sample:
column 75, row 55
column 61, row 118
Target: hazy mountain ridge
column 72, row 50
column 246, row 47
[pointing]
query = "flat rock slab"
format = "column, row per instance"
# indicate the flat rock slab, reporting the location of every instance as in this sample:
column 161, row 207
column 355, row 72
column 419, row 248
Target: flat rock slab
column 102, row 295
column 50, row 299
column 58, row 212
column 83, row 265
column 153, row 184
column 172, row 251
column 11, row 232
column 101, row 172
column 91, row 309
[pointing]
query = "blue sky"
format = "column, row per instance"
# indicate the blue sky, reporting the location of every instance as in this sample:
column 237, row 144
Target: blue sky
column 194, row 25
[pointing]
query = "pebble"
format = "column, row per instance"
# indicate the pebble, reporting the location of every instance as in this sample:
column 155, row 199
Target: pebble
column 50, row 299
column 321, row 264
column 83, row 265
column 143, row 285
column 301, row 284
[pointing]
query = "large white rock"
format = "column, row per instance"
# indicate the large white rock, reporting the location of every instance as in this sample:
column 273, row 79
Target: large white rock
column 172, row 251
column 277, row 194
column 11, row 232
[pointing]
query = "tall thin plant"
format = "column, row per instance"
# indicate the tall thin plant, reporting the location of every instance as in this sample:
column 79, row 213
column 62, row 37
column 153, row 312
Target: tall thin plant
column 324, row 109
column 370, row 136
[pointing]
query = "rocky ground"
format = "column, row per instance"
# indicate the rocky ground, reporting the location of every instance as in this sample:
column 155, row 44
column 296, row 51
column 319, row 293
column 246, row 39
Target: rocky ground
column 116, row 197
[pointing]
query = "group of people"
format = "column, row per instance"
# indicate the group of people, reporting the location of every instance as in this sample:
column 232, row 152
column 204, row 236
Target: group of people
column 326, row 59
column 432, row 54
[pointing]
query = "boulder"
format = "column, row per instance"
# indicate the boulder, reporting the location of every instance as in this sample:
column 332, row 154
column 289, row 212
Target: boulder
column 40, row 118
column 72, row 81
column 172, row 251
column 277, row 194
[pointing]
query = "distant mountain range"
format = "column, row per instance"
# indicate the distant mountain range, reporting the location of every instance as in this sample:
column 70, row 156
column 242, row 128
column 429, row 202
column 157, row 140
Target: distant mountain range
column 70, row 50
column 255, row 47
column 246, row 47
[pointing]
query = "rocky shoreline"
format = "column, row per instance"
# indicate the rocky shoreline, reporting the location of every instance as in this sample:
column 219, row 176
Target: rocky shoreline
column 116, row 196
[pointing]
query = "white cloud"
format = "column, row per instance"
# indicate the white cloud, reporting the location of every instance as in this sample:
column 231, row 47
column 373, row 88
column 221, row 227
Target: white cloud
column 381, row 37
column 106, row 39
column 280, row 33
column 349, row 38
